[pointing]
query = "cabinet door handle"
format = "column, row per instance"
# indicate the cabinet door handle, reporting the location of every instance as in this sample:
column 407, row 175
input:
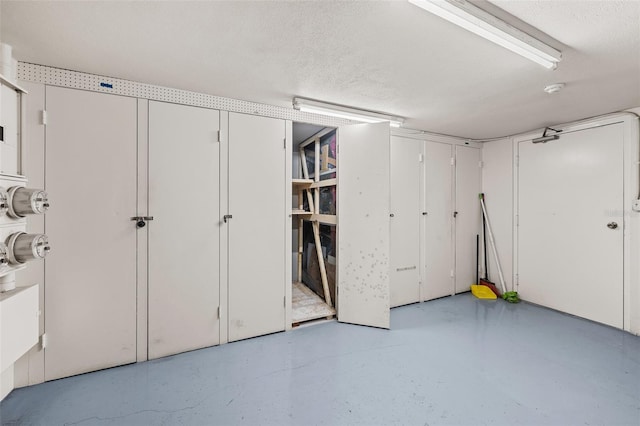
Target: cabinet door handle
column 227, row 217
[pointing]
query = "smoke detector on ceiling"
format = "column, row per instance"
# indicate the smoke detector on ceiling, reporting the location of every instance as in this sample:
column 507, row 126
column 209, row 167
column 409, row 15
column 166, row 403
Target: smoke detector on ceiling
column 554, row 88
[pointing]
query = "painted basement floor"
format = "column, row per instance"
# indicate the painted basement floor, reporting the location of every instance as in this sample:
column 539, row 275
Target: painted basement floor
column 456, row 361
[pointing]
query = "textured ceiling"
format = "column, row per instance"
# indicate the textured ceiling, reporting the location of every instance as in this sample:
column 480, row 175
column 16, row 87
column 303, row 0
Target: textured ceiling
column 388, row 56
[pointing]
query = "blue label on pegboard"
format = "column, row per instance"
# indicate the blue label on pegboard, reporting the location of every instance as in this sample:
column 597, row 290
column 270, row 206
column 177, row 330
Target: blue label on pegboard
column 107, row 85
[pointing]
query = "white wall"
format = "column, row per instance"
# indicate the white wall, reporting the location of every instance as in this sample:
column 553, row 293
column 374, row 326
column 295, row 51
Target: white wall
column 497, row 185
column 498, row 181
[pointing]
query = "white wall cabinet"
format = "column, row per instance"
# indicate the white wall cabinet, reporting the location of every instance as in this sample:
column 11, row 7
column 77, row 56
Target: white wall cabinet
column 184, row 236
column 18, row 324
column 438, row 237
column 407, row 177
column 257, row 221
column 468, row 219
column 363, row 224
column 429, row 229
column 10, row 107
column 18, row 330
column 90, row 277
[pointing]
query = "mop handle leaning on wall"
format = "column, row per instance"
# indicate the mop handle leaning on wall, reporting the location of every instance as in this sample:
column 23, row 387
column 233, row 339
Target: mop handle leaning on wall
column 493, row 243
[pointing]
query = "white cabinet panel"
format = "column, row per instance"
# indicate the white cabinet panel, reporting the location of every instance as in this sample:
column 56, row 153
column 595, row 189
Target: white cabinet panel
column 363, row 224
column 257, row 230
column 569, row 191
column 90, row 294
column 406, row 207
column 9, row 120
column 468, row 219
column 438, row 256
column 18, row 324
column 184, row 236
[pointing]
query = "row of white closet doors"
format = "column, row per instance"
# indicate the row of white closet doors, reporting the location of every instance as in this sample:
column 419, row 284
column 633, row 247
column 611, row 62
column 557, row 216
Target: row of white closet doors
column 436, row 217
column 94, row 300
column 117, row 294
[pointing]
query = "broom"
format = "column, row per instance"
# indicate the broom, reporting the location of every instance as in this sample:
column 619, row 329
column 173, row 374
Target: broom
column 509, row 296
column 485, row 280
column 480, row 291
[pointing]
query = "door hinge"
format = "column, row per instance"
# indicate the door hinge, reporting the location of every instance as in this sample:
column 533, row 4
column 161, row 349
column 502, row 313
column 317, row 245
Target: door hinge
column 453, row 161
column 43, row 117
column 517, row 160
column 218, row 312
column 517, row 220
column 480, row 164
column 218, row 136
column 420, row 158
column 43, row 341
column 284, row 143
column 517, row 279
column 285, row 302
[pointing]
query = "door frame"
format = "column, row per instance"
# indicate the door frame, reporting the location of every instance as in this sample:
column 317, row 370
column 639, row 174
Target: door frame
column 631, row 221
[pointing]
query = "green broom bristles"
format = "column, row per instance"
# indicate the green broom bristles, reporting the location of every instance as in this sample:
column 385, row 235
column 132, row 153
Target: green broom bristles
column 511, row 297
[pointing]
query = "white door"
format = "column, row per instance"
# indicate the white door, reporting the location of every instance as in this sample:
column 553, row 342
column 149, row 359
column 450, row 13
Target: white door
column 257, row 229
column 438, row 256
column 363, row 224
column 569, row 191
column 406, row 208
column 90, row 275
column 9, row 105
column 184, row 236
column 468, row 219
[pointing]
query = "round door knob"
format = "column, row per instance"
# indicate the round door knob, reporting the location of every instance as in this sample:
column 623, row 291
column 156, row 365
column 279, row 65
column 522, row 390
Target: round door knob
column 612, row 225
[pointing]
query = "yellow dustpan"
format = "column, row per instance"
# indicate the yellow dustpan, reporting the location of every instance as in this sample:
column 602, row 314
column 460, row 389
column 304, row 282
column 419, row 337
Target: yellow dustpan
column 482, row 292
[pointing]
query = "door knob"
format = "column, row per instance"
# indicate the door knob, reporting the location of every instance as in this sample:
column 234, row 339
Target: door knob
column 612, row 225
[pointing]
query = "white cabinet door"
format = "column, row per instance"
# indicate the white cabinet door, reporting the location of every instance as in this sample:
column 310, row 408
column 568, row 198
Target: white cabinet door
column 363, row 224
column 9, row 109
column 184, row 236
column 406, row 208
column 257, row 229
column 438, row 256
column 90, row 275
column 569, row 191
column 468, row 219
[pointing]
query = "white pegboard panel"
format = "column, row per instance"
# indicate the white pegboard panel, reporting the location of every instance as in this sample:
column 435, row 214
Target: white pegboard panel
column 96, row 83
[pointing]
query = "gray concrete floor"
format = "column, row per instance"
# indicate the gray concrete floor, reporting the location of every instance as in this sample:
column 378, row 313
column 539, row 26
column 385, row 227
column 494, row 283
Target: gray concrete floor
column 455, row 361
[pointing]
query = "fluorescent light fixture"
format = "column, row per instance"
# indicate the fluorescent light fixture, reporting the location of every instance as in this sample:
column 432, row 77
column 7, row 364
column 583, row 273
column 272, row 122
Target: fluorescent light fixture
column 340, row 111
column 476, row 20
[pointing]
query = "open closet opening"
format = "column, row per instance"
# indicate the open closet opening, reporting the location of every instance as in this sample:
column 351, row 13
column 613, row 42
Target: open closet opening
column 314, row 222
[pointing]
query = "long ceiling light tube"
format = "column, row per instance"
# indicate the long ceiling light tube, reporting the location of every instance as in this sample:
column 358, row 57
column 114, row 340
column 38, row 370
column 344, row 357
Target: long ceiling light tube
column 340, row 111
column 476, row 20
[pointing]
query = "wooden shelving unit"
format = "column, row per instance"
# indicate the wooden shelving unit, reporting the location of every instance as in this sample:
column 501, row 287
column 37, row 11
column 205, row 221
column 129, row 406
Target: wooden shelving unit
column 310, row 187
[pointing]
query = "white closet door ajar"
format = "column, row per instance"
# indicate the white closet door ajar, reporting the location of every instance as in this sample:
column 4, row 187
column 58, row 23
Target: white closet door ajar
column 257, row 229
column 571, row 223
column 184, row 236
column 438, row 257
column 468, row 215
column 90, row 275
column 363, row 224
column 406, row 208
